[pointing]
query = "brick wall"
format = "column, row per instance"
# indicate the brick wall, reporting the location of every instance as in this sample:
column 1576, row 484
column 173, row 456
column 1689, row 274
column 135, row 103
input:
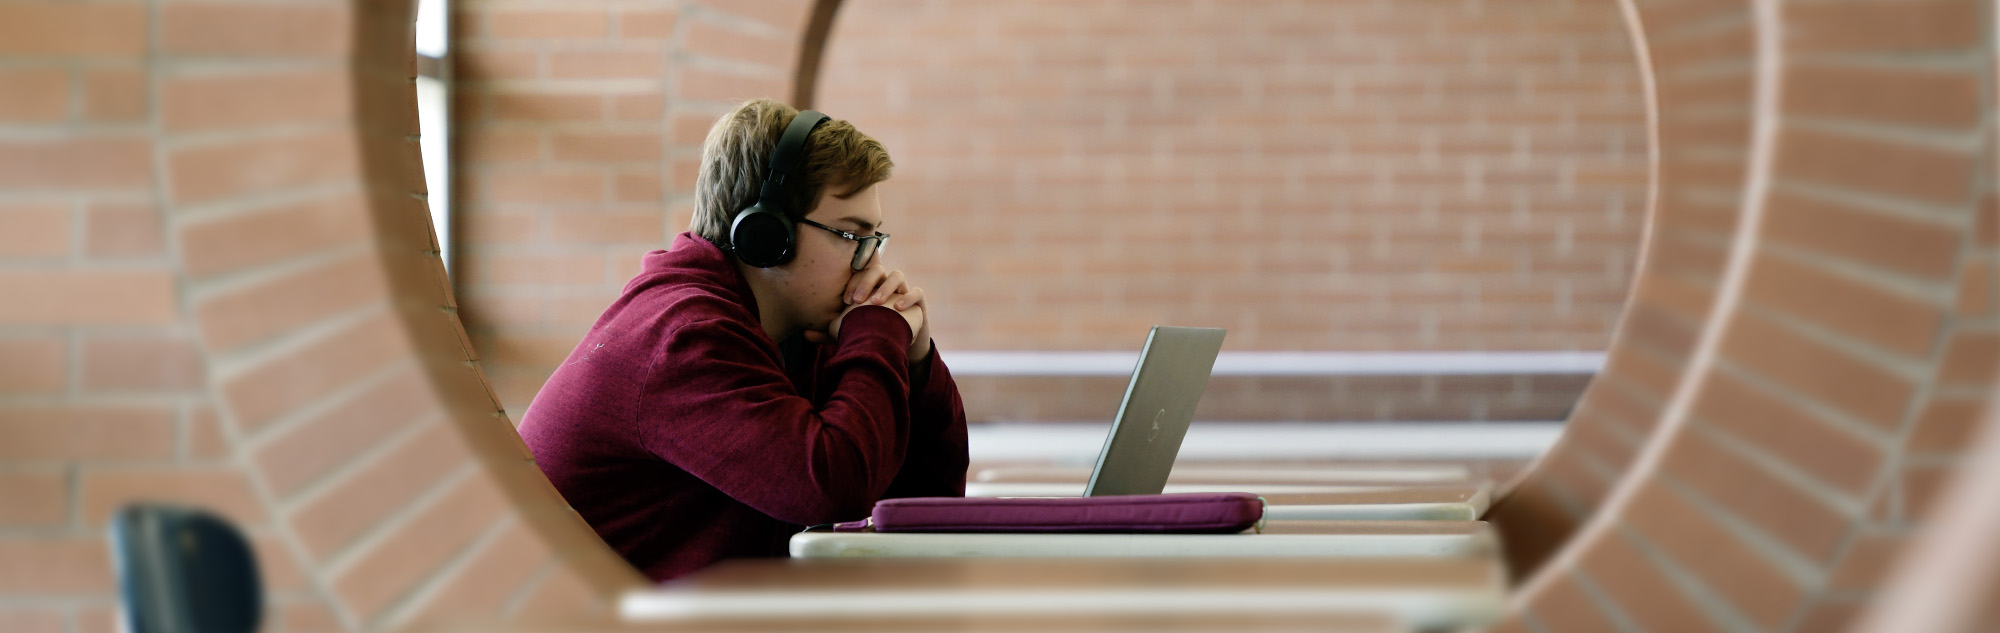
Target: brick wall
column 1317, row 176
column 175, row 174
column 1835, row 339
column 579, row 128
column 221, row 289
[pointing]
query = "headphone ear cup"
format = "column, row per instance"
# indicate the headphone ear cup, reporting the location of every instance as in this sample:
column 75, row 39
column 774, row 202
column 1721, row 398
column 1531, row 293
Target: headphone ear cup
column 761, row 237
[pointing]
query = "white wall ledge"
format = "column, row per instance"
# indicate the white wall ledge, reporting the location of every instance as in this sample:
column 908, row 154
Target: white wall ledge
column 1060, row 363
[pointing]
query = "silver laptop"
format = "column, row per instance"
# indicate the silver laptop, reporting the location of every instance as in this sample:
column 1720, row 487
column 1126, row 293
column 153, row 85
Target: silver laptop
column 1159, row 403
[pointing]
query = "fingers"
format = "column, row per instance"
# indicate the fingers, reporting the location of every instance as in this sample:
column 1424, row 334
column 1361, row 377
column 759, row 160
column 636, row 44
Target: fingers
column 862, row 283
column 911, row 298
column 892, row 284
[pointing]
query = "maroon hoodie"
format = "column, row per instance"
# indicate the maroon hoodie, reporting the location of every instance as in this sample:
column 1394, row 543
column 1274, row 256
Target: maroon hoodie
column 676, row 431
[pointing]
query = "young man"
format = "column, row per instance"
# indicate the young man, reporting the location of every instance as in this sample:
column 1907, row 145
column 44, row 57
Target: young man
column 717, row 407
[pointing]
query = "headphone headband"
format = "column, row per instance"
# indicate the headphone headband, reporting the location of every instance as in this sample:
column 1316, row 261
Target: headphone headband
column 788, row 159
column 762, row 234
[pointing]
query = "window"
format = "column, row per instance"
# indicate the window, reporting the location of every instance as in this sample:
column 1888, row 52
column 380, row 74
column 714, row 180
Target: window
column 434, row 115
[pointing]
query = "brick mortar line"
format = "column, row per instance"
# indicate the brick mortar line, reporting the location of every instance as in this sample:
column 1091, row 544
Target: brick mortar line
column 1717, row 609
column 312, row 492
column 512, row 606
column 275, row 430
column 1605, row 604
column 1879, row 203
column 397, row 615
column 343, row 559
column 226, row 367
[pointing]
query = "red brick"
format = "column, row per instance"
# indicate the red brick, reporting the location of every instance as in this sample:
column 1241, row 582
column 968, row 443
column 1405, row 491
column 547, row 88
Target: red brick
column 1975, row 289
column 39, row 433
column 264, row 393
column 205, row 438
column 207, row 173
column 123, row 230
column 395, row 567
column 33, row 499
column 495, row 228
column 643, row 24
column 1888, row 319
column 301, row 454
column 560, row 594
column 639, row 188
column 98, row 620
column 617, row 64
column 1869, row 392
column 251, row 99
column 1859, row 27
column 544, row 24
column 225, row 492
column 1563, row 607
column 132, row 363
column 1733, row 569
column 1896, row 244
column 34, row 620
column 1774, row 506
column 544, row 107
column 552, row 269
column 39, row 231
column 497, row 571
column 266, row 236
column 788, row 15
column 53, row 566
column 34, row 95
column 311, row 617
column 115, row 94
column 1898, row 96
column 54, row 28
column 1872, row 166
column 606, row 227
column 95, row 165
column 256, row 30
column 1866, row 562
column 1946, row 426
column 546, row 186
column 702, row 85
column 1789, row 433
column 87, row 297
column 330, row 522
column 638, row 107
column 1829, row 617
column 1971, row 359
column 489, row 147
column 272, row 307
column 1640, row 589
column 486, row 65
column 606, row 147
column 1921, row 486
column 719, row 41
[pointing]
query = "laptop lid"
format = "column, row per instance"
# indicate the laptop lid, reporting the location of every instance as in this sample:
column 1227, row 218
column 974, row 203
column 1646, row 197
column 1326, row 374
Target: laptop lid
column 1159, row 404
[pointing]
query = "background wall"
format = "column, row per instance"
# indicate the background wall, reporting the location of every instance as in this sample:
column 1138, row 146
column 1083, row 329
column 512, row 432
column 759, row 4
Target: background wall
column 1313, row 176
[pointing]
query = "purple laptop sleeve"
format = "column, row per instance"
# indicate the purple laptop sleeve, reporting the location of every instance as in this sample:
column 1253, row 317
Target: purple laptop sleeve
column 1191, row 513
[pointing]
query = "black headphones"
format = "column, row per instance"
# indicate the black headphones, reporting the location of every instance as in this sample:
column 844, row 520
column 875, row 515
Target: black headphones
column 762, row 235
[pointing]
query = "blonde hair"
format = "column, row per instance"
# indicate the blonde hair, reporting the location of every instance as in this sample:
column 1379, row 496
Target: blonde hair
column 737, row 154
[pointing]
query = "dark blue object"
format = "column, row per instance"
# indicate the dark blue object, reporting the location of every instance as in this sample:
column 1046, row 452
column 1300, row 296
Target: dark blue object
column 182, row 570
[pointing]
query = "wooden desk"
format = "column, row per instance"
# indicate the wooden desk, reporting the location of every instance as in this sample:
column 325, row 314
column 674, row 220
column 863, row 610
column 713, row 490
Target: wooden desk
column 1178, row 623
column 1427, row 593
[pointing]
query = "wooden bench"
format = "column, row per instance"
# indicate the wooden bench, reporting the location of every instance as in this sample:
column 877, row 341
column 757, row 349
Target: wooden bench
column 1424, row 593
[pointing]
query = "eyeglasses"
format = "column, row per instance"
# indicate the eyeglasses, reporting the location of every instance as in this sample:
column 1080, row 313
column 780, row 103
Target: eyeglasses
column 866, row 245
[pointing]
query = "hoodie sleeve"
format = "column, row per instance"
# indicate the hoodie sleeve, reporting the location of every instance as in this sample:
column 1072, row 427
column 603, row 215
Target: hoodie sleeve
column 723, row 410
column 935, row 465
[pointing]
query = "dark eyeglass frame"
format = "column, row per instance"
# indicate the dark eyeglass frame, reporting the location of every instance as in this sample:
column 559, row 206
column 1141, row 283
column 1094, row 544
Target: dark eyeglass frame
column 864, row 245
